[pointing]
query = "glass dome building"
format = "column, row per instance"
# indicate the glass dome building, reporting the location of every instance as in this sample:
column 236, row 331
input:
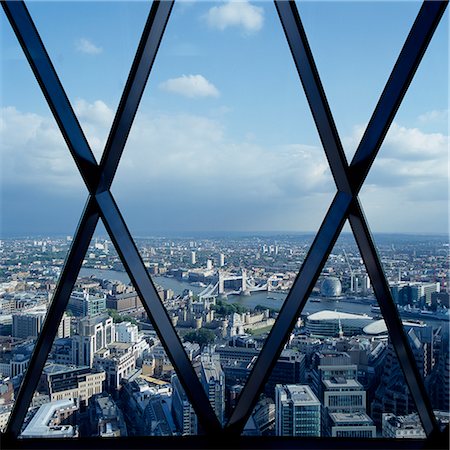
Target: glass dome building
column 331, row 287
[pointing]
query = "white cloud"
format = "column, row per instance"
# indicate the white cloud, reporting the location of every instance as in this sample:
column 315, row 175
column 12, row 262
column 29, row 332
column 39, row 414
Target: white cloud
column 34, row 153
column 408, row 152
column 434, row 116
column 191, row 86
column 97, row 112
column 189, row 168
column 84, row 45
column 236, row 14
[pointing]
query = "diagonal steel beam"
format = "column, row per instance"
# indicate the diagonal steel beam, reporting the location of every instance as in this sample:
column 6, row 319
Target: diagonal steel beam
column 48, row 80
column 61, row 296
column 134, row 88
column 140, row 278
column 401, row 76
column 57, row 99
column 291, row 309
column 390, row 314
column 315, row 94
column 393, row 93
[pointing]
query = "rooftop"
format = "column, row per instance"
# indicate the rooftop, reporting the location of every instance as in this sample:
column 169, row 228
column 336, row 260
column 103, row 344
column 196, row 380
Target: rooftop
column 39, row 425
column 379, row 326
column 299, row 394
column 336, row 315
column 342, row 383
column 354, row 418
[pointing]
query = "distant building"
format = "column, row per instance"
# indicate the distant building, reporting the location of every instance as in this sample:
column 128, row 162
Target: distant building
column 193, row 258
column 158, row 417
column 297, row 411
column 118, row 361
column 126, row 332
column 328, row 323
column 331, row 365
column 352, row 425
column 70, row 382
column 264, row 415
column 343, row 395
column 392, row 394
column 289, row 369
column 28, row 324
column 83, row 304
column 50, row 421
column 406, row 426
column 94, row 333
column 331, row 287
column 213, row 381
column 136, row 395
column 106, row 418
column 413, row 293
column 183, row 413
column 5, row 411
column 124, row 301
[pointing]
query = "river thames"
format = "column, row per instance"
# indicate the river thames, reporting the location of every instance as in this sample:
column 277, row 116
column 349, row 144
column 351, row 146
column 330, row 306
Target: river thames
column 257, row 298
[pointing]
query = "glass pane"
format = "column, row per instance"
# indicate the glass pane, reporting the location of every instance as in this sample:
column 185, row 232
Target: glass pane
column 41, row 199
column 409, row 186
column 107, row 374
column 355, row 45
column 338, row 374
column 101, row 38
column 223, row 182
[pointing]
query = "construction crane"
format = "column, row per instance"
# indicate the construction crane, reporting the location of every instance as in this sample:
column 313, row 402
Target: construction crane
column 351, row 271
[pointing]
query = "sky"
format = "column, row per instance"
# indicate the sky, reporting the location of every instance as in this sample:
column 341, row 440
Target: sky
column 223, row 139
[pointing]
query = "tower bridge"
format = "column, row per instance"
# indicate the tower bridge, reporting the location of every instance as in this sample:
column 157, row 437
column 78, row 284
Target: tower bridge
column 232, row 284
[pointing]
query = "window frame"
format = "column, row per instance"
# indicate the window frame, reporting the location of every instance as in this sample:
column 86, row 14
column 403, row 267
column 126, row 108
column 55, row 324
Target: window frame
column 348, row 178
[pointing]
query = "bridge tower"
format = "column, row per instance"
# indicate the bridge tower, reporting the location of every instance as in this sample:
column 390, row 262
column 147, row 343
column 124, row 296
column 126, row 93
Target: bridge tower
column 244, row 280
column 220, row 287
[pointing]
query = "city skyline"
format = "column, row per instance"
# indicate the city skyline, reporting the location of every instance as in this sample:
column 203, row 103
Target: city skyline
column 223, row 297
column 212, row 152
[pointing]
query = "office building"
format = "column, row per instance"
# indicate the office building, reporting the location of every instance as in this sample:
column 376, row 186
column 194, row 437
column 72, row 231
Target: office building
column 297, row 411
column 118, row 360
column 352, row 425
column 413, row 293
column 402, row 426
column 289, row 369
column 126, row 332
column 123, row 301
column 213, row 381
column 83, row 304
column 94, row 333
column 48, row 421
column 28, row 324
column 330, row 323
column 183, row 413
column 70, row 382
column 106, row 418
column 342, row 395
column 331, row 365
